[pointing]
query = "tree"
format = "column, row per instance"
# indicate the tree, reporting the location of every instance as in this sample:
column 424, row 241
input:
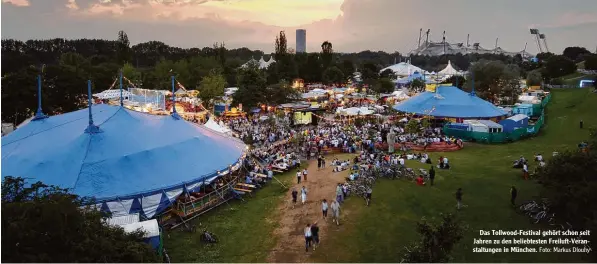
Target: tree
column 347, row 68
column 251, row 83
column 575, row 54
column 417, row 85
column 327, row 54
column 569, row 182
column 333, row 75
column 384, row 85
column 220, row 49
column 437, row 241
column 494, row 80
column 211, row 87
column 534, row 78
column 123, row 52
column 591, row 62
column 557, row 66
column 281, row 46
column 412, row 126
column 280, row 93
column 456, row 80
column 370, row 73
column 44, row 223
column 129, row 71
column 388, row 73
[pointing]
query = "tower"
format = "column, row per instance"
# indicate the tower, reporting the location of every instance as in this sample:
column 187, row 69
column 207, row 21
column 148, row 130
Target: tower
column 301, row 41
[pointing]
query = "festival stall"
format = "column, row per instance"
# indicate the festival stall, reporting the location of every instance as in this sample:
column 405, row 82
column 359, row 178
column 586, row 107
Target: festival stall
column 515, row 122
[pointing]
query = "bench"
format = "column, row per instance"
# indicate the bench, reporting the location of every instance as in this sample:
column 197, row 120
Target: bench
column 245, row 185
column 278, row 171
column 260, row 175
column 243, row 191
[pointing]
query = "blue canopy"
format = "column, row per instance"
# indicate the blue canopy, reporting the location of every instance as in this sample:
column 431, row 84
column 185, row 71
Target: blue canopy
column 449, row 101
column 140, row 163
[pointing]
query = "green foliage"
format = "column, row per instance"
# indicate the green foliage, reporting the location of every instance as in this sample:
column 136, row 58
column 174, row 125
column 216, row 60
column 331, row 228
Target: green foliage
column 388, row 74
column 347, row 68
column 412, row 126
column 417, row 85
column 42, row 223
column 557, row 66
column 123, row 51
column 425, row 122
column 575, row 54
column 327, row 54
column 281, row 45
column 333, row 75
column 211, row 87
column 456, row 80
column 384, row 85
column 570, row 183
column 494, row 80
column 129, row 71
column 534, row 78
column 437, row 241
column 591, row 62
column 370, row 73
column 251, row 84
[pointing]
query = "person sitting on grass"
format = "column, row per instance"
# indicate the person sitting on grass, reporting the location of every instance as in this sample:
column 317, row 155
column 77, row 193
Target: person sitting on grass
column 420, row 181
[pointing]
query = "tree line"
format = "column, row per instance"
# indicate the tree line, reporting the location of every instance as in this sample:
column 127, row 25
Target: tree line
column 65, row 65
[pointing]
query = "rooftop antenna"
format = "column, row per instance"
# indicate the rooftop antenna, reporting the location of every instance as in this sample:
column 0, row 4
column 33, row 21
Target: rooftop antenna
column 121, row 98
column 427, row 37
column 39, row 114
column 91, row 128
column 420, row 32
column 174, row 113
column 496, row 43
column 467, row 40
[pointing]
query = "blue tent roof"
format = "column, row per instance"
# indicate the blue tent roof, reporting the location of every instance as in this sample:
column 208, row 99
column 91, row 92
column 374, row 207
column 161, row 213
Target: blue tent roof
column 449, row 101
column 141, row 160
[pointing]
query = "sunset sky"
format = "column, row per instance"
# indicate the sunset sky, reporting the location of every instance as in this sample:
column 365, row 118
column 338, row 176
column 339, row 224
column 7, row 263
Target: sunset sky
column 351, row 25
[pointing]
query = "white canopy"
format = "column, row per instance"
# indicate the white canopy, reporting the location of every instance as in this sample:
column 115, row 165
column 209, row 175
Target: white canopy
column 400, row 95
column 354, row 111
column 112, row 94
column 150, row 227
column 211, row 124
column 404, row 69
column 528, row 99
column 449, row 70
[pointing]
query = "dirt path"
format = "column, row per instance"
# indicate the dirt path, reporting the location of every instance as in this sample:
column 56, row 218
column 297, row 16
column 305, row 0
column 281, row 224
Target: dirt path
column 321, row 184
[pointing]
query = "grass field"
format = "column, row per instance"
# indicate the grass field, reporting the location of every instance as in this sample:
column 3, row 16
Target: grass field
column 380, row 232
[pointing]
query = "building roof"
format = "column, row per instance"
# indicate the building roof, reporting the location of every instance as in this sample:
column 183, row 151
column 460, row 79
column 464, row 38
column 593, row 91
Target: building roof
column 139, row 163
column 449, row 101
column 518, row 117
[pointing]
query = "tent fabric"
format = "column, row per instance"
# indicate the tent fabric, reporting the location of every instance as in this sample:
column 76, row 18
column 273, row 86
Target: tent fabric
column 403, row 69
column 112, row 94
column 151, row 229
column 220, row 128
column 449, row 101
column 133, row 166
column 354, row 111
column 449, row 70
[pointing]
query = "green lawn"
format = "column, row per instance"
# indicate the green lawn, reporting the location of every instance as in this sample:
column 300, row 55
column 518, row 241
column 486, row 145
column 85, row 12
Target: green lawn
column 243, row 228
column 378, row 233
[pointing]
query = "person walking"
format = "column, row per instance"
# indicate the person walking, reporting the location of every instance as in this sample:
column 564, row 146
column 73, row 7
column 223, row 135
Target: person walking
column 525, row 171
column 581, row 124
column 368, row 195
column 339, row 193
column 308, row 237
column 294, row 196
column 314, row 235
column 299, row 174
column 335, row 212
column 304, row 195
column 305, row 174
column 322, row 162
column 319, row 162
column 324, row 208
column 431, row 175
column 459, row 198
column 513, row 194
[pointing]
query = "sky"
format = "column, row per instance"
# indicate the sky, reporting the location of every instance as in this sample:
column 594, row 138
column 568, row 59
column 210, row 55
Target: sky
column 350, row 25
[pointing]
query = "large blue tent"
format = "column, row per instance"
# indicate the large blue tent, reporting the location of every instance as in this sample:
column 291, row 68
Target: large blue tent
column 449, row 101
column 138, row 163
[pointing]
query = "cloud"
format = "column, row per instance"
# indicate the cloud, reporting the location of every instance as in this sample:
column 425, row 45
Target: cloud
column 351, row 25
column 17, row 2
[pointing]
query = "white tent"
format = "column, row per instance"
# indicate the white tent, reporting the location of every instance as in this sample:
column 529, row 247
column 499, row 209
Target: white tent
column 449, row 70
column 404, row 69
column 211, row 124
column 354, row 111
column 529, row 99
column 112, row 94
column 400, row 95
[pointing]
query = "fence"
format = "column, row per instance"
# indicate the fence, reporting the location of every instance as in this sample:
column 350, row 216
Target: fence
column 502, row 137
